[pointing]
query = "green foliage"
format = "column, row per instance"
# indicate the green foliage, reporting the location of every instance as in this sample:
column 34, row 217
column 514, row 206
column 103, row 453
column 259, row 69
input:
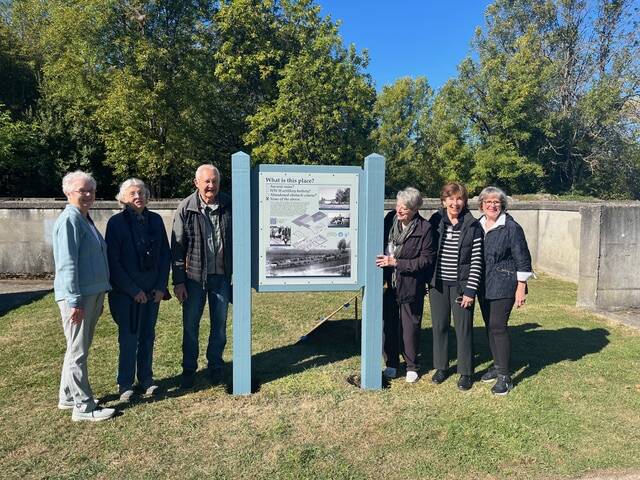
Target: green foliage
column 24, row 170
column 499, row 164
column 403, row 114
column 153, row 88
column 18, row 84
column 322, row 113
column 555, row 82
column 450, row 145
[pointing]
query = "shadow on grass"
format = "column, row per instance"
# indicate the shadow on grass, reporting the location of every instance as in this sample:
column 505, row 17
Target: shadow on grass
column 333, row 341
column 11, row 301
column 532, row 347
column 169, row 388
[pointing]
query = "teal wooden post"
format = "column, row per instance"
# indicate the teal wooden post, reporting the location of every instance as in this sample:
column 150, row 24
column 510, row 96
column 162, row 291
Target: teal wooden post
column 371, row 371
column 241, row 204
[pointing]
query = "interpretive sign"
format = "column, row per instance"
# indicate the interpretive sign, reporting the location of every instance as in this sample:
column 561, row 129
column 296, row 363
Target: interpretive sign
column 308, row 228
column 301, row 228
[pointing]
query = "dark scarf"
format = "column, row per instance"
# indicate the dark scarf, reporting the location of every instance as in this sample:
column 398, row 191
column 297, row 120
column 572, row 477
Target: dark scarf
column 142, row 237
column 397, row 237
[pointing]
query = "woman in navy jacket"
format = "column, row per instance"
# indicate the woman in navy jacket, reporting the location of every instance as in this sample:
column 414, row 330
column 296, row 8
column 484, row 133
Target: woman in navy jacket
column 139, row 257
column 507, row 269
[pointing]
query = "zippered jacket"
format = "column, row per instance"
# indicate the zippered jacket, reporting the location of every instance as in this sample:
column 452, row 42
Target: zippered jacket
column 80, row 256
column 469, row 231
column 188, row 239
column 127, row 273
column 505, row 253
column 414, row 262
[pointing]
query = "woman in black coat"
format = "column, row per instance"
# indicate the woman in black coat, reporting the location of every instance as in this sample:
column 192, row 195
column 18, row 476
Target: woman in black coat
column 507, row 269
column 138, row 252
column 454, row 282
column 406, row 263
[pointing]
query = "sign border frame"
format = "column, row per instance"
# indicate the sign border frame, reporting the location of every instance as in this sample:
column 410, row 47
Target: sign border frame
column 255, row 228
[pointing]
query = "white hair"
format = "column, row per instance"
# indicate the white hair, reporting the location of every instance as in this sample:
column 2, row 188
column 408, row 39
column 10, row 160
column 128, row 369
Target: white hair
column 205, row 166
column 71, row 177
column 127, row 184
column 410, row 198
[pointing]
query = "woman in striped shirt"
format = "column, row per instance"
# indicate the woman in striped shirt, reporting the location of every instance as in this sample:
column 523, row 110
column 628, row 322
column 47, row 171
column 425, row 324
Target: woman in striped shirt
column 455, row 281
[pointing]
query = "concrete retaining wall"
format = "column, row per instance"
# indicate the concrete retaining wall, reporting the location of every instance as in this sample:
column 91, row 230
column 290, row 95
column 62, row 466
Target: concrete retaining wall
column 592, row 244
column 26, row 228
column 609, row 271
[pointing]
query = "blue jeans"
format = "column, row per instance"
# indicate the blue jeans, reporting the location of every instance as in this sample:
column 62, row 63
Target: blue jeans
column 218, row 290
column 136, row 335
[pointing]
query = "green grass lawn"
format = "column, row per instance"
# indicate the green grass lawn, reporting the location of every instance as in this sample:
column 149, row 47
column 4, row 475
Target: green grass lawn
column 575, row 408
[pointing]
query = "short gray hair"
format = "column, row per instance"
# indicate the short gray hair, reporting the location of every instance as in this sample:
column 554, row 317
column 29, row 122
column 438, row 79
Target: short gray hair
column 132, row 182
column 208, row 165
column 410, row 197
column 69, row 178
column 487, row 191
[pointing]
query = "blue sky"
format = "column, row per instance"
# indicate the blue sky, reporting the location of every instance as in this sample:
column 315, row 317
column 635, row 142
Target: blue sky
column 409, row 37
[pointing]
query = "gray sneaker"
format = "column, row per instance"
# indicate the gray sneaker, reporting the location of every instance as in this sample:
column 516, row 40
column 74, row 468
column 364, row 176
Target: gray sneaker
column 151, row 391
column 97, row 415
column 126, row 395
column 68, row 404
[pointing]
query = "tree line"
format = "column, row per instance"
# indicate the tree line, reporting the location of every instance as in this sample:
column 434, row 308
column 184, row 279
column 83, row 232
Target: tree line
column 547, row 102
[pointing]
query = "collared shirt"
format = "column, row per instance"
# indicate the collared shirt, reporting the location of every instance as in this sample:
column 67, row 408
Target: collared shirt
column 214, row 246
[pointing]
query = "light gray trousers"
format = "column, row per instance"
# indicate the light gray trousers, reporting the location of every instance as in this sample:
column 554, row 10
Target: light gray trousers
column 74, row 382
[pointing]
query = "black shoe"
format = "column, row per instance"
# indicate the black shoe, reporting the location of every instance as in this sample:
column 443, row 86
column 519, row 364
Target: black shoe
column 490, row 375
column 187, row 380
column 439, row 377
column 502, row 386
column 464, row 382
column 215, row 375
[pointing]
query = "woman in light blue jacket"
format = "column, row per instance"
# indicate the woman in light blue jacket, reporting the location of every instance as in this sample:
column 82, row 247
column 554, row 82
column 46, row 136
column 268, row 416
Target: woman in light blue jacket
column 81, row 281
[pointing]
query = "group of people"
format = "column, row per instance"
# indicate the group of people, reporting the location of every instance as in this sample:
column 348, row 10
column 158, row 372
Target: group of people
column 456, row 258
column 453, row 255
column 132, row 264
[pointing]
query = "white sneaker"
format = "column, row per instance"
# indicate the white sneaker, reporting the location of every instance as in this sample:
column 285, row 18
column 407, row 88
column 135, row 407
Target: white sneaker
column 390, row 372
column 97, row 415
column 126, row 396
column 68, row 404
column 412, row 377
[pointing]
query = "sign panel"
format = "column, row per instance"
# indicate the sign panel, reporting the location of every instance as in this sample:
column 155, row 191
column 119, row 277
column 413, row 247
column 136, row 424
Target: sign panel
column 308, row 228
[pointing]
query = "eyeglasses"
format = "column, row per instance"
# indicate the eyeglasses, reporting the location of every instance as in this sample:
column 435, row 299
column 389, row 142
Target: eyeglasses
column 495, row 203
column 82, row 191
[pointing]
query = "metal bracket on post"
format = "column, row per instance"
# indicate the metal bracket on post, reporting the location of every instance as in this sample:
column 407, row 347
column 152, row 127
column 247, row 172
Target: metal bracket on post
column 241, row 205
column 371, row 375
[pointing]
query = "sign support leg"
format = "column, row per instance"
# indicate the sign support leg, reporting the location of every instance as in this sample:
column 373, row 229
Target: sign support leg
column 372, row 292
column 241, row 199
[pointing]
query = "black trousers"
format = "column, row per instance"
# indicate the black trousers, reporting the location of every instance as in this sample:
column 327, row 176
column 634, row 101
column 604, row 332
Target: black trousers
column 401, row 322
column 443, row 303
column 495, row 314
